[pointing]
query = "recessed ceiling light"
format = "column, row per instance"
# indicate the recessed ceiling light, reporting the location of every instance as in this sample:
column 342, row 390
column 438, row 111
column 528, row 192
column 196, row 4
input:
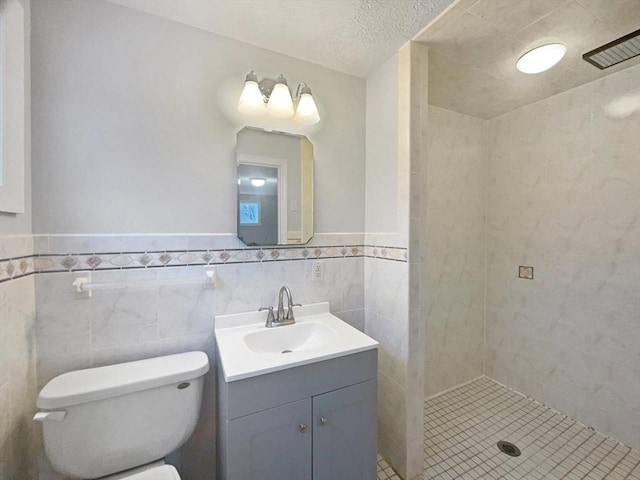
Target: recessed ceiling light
column 258, row 182
column 541, row 58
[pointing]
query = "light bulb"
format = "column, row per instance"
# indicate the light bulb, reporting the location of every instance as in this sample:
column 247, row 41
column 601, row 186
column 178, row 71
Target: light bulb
column 280, row 104
column 541, row 58
column 307, row 112
column 251, row 101
column 258, row 182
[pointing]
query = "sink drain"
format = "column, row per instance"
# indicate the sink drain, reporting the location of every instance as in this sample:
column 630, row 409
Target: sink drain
column 286, row 351
column 509, row 448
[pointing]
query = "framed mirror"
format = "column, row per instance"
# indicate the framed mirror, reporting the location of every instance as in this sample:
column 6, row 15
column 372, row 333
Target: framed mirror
column 275, row 188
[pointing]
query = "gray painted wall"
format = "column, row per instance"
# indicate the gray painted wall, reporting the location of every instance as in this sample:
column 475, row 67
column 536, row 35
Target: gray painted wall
column 130, row 130
column 382, row 148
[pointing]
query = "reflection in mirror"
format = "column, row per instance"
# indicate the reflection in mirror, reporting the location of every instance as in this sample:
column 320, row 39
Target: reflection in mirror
column 275, row 188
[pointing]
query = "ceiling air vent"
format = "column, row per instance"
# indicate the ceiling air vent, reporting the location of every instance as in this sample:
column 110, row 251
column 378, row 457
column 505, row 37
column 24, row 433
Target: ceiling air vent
column 615, row 52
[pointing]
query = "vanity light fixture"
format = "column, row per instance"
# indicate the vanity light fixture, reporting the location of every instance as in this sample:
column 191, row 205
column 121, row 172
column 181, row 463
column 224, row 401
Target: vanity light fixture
column 258, row 182
column 274, row 98
column 541, row 58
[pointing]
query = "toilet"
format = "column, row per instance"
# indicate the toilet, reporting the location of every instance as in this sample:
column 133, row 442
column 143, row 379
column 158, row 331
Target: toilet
column 120, row 421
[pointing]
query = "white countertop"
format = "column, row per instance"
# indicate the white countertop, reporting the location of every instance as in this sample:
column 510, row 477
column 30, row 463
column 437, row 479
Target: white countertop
column 330, row 337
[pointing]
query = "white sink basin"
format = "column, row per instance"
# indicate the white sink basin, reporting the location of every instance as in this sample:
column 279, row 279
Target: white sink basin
column 247, row 348
column 290, row 338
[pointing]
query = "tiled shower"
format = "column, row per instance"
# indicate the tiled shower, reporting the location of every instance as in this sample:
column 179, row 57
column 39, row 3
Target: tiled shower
column 553, row 185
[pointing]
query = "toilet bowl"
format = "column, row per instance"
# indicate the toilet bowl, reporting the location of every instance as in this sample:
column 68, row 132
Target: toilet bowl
column 120, row 421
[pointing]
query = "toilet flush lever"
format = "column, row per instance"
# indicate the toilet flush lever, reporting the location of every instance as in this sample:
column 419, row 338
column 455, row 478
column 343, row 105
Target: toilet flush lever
column 58, row 416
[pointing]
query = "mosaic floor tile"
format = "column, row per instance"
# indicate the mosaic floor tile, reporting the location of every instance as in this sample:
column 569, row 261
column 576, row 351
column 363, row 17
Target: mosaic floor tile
column 463, row 426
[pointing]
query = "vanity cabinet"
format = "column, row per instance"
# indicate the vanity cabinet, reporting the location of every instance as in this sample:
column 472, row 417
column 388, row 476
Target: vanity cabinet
column 312, row 422
column 274, row 444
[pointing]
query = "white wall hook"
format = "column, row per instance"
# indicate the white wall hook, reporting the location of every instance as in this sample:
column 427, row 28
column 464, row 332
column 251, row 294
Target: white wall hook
column 211, row 276
column 80, row 282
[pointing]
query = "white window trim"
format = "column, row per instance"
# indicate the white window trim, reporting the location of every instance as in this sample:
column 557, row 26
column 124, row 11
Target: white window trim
column 281, row 165
column 12, row 160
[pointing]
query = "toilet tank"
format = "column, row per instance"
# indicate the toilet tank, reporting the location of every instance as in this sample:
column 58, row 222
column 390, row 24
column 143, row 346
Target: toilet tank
column 105, row 420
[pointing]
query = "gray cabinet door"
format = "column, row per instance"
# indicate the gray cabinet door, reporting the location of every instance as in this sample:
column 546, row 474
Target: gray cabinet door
column 344, row 433
column 274, row 444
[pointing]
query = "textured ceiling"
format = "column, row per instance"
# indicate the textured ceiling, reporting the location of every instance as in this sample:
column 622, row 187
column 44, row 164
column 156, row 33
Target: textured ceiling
column 474, row 46
column 351, row 36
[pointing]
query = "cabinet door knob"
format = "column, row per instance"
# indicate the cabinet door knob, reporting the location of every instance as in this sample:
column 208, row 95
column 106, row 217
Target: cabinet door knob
column 302, row 428
column 323, row 421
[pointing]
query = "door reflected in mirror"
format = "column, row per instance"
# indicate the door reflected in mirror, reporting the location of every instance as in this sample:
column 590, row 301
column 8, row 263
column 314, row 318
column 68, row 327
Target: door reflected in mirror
column 275, row 188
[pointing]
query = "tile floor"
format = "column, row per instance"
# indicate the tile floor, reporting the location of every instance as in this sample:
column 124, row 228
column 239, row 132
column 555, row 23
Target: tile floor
column 462, row 427
column 385, row 472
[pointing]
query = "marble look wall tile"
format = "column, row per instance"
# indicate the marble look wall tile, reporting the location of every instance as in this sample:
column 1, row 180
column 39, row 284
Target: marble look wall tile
column 213, row 242
column 80, row 244
column 124, row 315
column 297, row 275
column 353, row 283
column 14, row 246
column 386, row 239
column 63, row 322
column 50, row 366
column 393, row 351
column 17, row 379
column 186, row 309
column 389, row 302
column 570, row 336
column 204, row 342
column 392, row 422
column 453, row 287
column 355, row 318
column 239, row 288
column 126, row 353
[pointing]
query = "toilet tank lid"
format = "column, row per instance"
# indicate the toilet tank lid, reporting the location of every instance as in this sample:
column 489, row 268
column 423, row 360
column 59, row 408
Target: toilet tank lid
column 92, row 384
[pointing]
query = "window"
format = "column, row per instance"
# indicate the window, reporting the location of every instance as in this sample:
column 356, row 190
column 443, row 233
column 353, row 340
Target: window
column 249, row 213
column 12, row 106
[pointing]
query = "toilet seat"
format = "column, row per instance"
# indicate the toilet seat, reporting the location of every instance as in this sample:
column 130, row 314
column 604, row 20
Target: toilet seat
column 163, row 472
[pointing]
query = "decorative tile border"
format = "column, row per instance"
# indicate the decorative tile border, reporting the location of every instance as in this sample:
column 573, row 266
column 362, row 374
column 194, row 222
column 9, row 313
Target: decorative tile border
column 16, row 257
column 16, row 267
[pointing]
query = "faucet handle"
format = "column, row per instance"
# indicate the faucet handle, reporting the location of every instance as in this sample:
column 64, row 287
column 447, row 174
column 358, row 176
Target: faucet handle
column 270, row 317
column 290, row 315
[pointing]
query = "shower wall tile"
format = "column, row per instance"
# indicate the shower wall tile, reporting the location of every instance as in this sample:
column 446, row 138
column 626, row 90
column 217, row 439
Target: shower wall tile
column 455, row 250
column 564, row 197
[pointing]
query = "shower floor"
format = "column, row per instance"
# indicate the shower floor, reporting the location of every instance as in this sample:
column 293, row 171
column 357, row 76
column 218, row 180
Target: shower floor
column 463, row 426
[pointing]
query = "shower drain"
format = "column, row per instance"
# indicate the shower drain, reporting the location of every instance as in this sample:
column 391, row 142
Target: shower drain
column 286, row 351
column 509, row 448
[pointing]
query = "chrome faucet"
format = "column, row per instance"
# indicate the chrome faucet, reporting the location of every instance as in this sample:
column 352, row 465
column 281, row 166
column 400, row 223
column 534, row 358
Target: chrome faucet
column 282, row 318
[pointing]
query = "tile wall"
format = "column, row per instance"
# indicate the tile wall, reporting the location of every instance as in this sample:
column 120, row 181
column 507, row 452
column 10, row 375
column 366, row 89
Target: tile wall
column 393, row 297
column 455, row 253
column 143, row 315
column 564, row 197
column 17, row 365
column 418, row 115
